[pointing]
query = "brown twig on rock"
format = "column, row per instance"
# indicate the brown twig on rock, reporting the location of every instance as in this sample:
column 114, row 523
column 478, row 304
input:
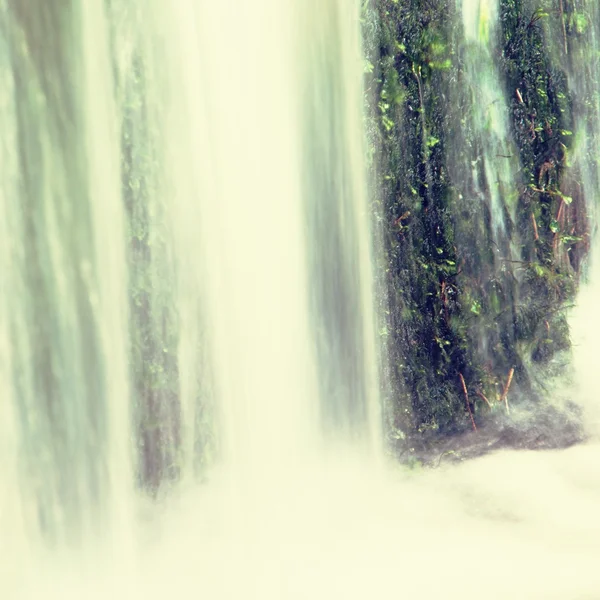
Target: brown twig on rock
column 535, row 228
column 482, row 396
column 519, row 97
column 464, row 387
column 549, row 192
column 504, row 397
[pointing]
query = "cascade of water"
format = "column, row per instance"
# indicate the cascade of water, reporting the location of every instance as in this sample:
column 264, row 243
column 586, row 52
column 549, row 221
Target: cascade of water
column 202, row 160
column 484, row 167
column 64, row 321
column 495, row 163
column 580, row 56
column 338, row 218
column 11, row 506
column 268, row 220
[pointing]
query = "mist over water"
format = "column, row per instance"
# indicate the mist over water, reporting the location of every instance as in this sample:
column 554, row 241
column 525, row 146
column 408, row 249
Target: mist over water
column 183, row 191
column 512, row 525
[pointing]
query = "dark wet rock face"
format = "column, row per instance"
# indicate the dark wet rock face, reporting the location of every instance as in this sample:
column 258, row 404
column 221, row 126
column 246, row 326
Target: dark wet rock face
column 545, row 428
column 483, row 216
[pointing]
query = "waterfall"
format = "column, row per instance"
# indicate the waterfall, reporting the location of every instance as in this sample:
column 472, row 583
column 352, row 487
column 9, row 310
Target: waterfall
column 186, row 252
column 579, row 55
column 189, row 344
column 64, row 285
column 485, row 167
column 495, row 163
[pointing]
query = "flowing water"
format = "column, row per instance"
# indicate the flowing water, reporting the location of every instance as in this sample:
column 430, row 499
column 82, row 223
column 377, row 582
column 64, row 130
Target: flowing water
column 494, row 165
column 186, row 314
column 581, row 60
column 184, row 195
column 484, row 165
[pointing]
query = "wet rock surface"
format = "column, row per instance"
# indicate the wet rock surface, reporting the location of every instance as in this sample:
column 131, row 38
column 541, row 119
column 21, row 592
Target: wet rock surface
column 533, row 428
